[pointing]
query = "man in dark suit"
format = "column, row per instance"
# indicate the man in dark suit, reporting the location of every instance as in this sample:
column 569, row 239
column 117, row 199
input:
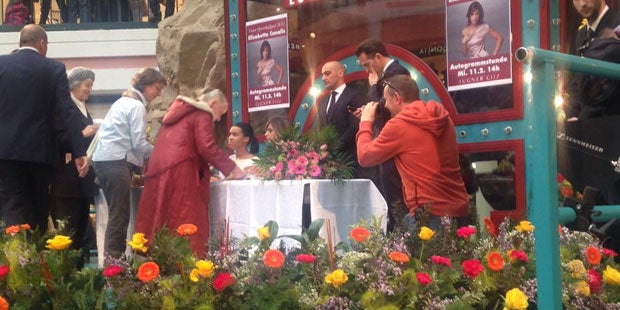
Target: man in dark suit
column 373, row 56
column 334, row 107
column 33, row 89
column 592, row 96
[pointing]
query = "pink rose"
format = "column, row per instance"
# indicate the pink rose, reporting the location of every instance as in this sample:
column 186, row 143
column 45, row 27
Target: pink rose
column 472, row 268
column 465, row 232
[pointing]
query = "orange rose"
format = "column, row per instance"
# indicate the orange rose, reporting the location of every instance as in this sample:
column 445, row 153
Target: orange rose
column 495, row 261
column 359, row 234
column 490, row 226
column 11, row 230
column 148, row 271
column 593, row 255
column 187, row 229
column 399, row 257
column 4, row 305
column 273, row 259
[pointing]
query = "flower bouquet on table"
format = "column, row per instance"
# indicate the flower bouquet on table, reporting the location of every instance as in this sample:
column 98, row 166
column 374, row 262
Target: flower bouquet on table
column 299, row 156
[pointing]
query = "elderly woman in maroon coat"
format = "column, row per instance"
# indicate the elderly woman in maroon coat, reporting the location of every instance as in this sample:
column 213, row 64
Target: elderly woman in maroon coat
column 177, row 176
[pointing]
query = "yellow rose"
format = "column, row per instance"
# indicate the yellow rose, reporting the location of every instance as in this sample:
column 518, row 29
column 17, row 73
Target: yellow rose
column 515, row 300
column 193, row 275
column 582, row 288
column 525, row 226
column 205, row 268
column 336, row 278
column 59, row 242
column 137, row 242
column 611, row 276
column 426, row 233
column 263, row 233
column 577, row 269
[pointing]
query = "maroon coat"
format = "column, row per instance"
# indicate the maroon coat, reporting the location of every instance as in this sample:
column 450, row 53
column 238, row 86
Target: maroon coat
column 176, row 189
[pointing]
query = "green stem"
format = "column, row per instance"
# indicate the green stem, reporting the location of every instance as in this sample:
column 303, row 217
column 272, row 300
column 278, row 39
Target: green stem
column 422, row 250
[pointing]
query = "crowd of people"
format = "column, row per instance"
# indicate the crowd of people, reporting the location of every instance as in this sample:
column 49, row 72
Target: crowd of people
column 21, row 12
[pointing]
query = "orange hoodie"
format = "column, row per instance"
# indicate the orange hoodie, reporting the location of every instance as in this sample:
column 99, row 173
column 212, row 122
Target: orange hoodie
column 422, row 141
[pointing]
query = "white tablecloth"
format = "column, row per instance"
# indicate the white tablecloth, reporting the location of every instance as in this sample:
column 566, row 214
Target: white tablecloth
column 249, row 204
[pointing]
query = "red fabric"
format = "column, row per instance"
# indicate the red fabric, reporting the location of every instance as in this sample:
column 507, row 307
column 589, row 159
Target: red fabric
column 17, row 14
column 176, row 189
column 422, row 141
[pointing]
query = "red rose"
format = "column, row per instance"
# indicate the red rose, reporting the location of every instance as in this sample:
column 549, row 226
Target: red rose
column 560, row 178
column 609, row 252
column 465, row 232
column 222, row 281
column 594, row 280
column 112, row 271
column 472, row 268
column 423, row 278
column 519, row 255
column 440, row 260
column 4, row 270
column 305, row 258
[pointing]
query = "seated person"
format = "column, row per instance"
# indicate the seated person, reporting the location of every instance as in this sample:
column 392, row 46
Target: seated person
column 274, row 127
column 244, row 144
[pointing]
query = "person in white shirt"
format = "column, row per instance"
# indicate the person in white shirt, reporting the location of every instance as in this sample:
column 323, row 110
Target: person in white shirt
column 243, row 142
column 121, row 150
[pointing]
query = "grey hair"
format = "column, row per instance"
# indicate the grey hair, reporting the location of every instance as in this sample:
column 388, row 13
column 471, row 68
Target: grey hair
column 214, row 94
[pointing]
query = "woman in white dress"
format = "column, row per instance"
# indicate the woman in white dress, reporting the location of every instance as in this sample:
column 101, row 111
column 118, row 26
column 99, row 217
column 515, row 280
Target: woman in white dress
column 476, row 32
column 243, row 142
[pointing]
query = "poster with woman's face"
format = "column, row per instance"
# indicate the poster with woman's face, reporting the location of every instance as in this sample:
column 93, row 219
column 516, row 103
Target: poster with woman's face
column 478, row 43
column 267, row 63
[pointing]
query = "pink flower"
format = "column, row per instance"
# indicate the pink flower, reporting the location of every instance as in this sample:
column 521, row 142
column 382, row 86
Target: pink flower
column 472, row 268
column 440, row 260
column 315, row 171
column 519, row 256
column 302, row 161
column 299, row 170
column 313, row 157
column 609, row 252
column 4, row 270
column 323, row 147
column 305, row 258
column 465, row 232
column 292, row 154
column 594, row 280
column 112, row 271
column 560, row 178
column 222, row 281
column 423, row 278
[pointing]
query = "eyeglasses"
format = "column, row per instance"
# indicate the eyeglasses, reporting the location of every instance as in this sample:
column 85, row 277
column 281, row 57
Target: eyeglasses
column 386, row 83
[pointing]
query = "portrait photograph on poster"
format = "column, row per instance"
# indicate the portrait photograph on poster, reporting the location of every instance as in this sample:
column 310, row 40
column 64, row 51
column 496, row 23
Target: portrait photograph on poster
column 267, row 63
column 478, row 43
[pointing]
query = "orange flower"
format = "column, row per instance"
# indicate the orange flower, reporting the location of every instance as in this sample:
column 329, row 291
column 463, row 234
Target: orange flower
column 593, row 255
column 273, row 259
column 26, row 226
column 399, row 257
column 4, row 305
column 187, row 229
column 490, row 226
column 11, row 230
column 148, row 272
column 495, row 261
column 359, row 234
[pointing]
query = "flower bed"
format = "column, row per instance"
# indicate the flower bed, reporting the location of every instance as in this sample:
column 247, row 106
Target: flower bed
column 445, row 268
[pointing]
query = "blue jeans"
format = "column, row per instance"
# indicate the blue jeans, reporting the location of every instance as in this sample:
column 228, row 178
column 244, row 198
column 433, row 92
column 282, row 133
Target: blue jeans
column 79, row 8
column 156, row 12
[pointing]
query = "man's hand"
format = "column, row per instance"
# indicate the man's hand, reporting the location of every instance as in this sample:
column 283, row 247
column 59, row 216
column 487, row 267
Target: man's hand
column 368, row 112
column 82, row 165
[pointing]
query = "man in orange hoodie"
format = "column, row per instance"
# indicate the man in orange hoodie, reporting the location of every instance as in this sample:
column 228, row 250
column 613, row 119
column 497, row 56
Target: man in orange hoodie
column 421, row 137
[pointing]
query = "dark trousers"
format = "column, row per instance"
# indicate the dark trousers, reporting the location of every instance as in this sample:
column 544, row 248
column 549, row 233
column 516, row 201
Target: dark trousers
column 74, row 212
column 115, row 181
column 79, row 8
column 46, row 6
column 24, row 193
column 392, row 190
column 156, row 11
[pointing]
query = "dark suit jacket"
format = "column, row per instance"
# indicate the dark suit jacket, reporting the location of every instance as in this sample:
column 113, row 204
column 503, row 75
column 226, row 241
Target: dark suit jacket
column 345, row 123
column 67, row 182
column 395, row 68
column 593, row 96
column 32, row 90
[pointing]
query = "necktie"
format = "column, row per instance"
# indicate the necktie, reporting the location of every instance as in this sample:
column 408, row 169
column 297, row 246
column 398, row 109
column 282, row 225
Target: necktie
column 332, row 101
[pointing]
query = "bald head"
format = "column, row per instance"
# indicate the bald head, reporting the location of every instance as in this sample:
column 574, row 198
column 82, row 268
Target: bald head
column 333, row 74
column 34, row 36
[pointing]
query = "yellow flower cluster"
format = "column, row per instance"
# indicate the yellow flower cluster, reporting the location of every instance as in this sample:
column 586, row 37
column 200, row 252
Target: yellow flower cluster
column 577, row 269
column 263, row 233
column 515, row 300
column 59, row 242
column 138, row 242
column 336, row 278
column 525, row 226
column 426, row 233
column 611, row 276
column 204, row 269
